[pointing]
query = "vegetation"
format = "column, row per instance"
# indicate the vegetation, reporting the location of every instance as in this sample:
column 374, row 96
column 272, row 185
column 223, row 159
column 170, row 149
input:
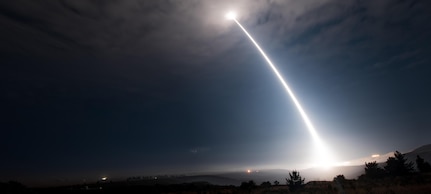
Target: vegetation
column 395, row 166
column 339, row 178
column 248, row 185
column 422, row 165
column 398, row 165
column 266, row 184
column 373, row 171
column 295, row 181
column 396, row 176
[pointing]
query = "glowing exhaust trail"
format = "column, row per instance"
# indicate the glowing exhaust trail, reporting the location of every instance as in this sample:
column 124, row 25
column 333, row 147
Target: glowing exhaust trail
column 324, row 156
column 304, row 116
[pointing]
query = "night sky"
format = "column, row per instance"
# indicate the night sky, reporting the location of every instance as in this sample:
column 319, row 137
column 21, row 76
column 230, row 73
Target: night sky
column 123, row 88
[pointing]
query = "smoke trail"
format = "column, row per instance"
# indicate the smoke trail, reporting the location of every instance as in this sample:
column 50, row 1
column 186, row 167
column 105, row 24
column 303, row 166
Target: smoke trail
column 322, row 152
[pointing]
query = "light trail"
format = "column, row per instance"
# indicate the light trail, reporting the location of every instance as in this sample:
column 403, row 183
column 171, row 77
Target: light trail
column 323, row 154
column 304, row 116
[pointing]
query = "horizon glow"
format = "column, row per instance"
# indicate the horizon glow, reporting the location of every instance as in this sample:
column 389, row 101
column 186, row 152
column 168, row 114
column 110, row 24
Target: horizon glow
column 323, row 157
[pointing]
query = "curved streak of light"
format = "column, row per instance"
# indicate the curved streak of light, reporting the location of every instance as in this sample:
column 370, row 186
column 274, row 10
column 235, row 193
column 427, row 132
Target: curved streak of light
column 304, row 116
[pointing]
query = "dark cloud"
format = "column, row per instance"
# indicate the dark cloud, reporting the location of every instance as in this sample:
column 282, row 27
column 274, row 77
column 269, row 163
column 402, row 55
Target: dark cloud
column 195, row 29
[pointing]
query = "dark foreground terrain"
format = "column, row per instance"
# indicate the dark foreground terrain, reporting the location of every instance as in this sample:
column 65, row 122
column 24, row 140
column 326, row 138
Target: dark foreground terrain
column 415, row 183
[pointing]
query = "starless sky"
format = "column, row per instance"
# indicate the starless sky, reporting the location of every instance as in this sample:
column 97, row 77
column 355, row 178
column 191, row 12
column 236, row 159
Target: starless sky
column 119, row 88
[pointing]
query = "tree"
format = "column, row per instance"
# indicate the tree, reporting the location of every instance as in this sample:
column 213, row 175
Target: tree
column 248, row 185
column 276, row 183
column 295, row 181
column 340, row 178
column 340, row 181
column 398, row 165
column 373, row 171
column 422, row 165
column 266, row 184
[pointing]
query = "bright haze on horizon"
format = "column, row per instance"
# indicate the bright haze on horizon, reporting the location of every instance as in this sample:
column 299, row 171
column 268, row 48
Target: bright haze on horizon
column 121, row 88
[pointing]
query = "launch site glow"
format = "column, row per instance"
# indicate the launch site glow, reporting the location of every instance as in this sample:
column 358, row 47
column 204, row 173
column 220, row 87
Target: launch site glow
column 323, row 154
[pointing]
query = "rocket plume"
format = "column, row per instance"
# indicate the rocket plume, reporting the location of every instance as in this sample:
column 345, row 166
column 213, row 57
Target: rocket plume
column 323, row 155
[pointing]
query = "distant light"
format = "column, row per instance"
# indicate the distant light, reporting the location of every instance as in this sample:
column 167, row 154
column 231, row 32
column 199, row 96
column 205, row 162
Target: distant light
column 104, row 178
column 248, row 171
column 230, row 15
column 375, row 156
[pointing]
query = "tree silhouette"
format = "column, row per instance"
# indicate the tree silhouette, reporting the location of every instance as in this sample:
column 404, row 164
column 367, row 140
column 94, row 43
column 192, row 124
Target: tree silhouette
column 398, row 165
column 372, row 170
column 340, row 178
column 276, row 183
column 295, row 181
column 248, row 185
column 422, row 165
column 266, row 184
column 340, row 181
